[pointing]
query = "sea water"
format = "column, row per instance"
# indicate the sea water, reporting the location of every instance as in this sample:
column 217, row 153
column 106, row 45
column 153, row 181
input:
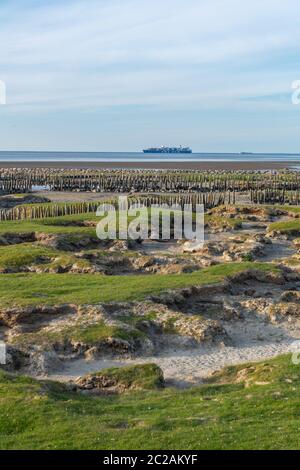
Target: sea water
column 14, row 156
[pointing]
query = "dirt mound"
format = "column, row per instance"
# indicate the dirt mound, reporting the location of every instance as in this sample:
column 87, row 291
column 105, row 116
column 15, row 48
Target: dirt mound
column 17, row 315
column 120, row 380
column 17, row 238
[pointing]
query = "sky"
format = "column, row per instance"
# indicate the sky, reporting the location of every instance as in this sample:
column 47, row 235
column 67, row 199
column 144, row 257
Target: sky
column 122, row 75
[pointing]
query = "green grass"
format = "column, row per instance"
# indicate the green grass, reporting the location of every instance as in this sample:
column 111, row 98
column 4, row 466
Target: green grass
column 32, row 289
column 251, row 373
column 137, row 377
column 95, row 333
column 291, row 227
column 228, row 415
column 51, row 225
column 26, row 254
column 16, row 256
column 74, row 224
column 291, row 209
column 218, row 221
column 247, row 256
column 89, row 334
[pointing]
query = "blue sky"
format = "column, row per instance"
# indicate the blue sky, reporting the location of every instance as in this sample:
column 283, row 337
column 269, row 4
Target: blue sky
column 119, row 75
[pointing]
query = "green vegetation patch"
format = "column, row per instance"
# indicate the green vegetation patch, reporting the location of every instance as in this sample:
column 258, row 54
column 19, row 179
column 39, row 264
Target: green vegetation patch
column 34, row 289
column 217, row 221
column 290, row 209
column 52, row 225
column 291, row 227
column 253, row 373
column 20, row 256
column 136, row 377
column 17, row 256
column 83, row 332
column 260, row 414
column 86, row 224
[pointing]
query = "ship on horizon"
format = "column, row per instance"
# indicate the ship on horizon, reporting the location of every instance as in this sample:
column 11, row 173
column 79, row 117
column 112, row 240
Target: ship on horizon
column 164, row 149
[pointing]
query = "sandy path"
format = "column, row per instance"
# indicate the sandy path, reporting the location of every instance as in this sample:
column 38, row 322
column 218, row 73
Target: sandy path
column 253, row 339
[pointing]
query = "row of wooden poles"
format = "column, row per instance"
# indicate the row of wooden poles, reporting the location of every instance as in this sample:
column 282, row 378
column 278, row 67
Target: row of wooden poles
column 42, row 211
column 278, row 196
column 24, row 180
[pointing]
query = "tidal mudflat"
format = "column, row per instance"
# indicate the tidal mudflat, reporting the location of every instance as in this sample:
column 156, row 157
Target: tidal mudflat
column 97, row 328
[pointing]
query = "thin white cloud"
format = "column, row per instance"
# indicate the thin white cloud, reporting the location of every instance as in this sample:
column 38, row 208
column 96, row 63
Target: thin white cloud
column 128, row 52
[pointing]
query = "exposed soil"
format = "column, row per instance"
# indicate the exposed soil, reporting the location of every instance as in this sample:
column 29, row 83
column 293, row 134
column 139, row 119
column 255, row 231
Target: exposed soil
column 192, row 332
column 254, row 335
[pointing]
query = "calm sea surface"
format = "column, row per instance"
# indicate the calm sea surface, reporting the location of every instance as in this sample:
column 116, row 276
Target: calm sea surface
column 141, row 157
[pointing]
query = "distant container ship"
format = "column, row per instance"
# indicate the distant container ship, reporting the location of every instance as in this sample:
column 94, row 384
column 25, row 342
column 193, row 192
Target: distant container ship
column 168, row 150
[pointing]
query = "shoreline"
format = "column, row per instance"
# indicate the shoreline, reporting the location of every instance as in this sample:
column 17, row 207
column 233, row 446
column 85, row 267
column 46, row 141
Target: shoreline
column 205, row 165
